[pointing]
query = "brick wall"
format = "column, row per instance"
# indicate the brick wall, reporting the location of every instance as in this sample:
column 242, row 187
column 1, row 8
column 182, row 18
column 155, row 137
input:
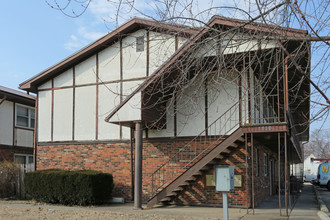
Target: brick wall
column 200, row 194
column 115, row 158
column 7, row 152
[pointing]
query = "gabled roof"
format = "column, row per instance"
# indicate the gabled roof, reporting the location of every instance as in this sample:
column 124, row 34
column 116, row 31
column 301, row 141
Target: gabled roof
column 100, row 44
column 16, row 96
column 271, row 30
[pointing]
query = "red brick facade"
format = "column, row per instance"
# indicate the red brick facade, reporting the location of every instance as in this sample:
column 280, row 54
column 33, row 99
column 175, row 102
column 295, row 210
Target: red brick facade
column 7, row 152
column 116, row 158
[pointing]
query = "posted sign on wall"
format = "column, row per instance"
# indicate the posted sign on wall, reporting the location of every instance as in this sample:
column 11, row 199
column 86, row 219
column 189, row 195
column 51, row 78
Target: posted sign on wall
column 224, row 178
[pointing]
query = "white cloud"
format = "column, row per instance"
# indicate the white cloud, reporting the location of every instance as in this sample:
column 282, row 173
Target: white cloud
column 74, row 43
column 89, row 35
column 81, row 38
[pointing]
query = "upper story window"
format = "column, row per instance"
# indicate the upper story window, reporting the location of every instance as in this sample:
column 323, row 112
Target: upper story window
column 24, row 116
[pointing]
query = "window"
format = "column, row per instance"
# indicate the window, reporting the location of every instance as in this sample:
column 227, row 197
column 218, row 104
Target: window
column 140, row 44
column 257, row 162
column 24, row 116
column 25, row 160
column 265, row 164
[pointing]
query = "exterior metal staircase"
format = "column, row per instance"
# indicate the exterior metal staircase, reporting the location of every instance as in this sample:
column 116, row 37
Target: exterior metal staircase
column 190, row 161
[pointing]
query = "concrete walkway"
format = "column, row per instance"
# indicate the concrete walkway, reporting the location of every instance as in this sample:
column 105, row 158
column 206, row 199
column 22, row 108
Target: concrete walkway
column 305, row 208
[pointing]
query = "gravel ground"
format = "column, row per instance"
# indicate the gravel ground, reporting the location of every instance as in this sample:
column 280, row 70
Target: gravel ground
column 31, row 210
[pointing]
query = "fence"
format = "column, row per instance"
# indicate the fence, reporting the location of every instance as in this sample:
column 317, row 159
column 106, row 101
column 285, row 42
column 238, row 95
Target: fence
column 12, row 179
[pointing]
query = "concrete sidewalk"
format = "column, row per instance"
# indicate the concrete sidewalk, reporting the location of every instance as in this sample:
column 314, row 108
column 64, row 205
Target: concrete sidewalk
column 306, row 207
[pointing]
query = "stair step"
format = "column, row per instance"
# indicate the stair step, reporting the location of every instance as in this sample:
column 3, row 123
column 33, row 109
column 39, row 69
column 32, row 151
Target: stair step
column 199, row 173
column 166, row 199
column 172, row 194
column 233, row 145
column 226, row 151
column 240, row 139
column 192, row 178
column 173, row 189
column 205, row 168
column 212, row 162
column 219, row 157
column 185, row 184
column 178, row 189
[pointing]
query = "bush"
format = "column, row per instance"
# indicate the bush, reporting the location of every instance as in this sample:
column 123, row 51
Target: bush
column 8, row 178
column 84, row 187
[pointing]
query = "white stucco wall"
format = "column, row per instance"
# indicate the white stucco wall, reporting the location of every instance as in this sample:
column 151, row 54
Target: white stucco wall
column 222, row 95
column 63, row 106
column 64, row 79
column 85, row 72
column 131, row 111
column 46, row 85
column 161, row 47
column 44, row 115
column 181, row 41
column 232, row 44
column 134, row 63
column 24, row 137
column 191, row 109
column 85, row 113
column 108, row 98
column 6, row 123
column 109, row 63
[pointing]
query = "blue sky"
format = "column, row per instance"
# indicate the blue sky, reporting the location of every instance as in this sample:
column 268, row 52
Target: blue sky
column 34, row 36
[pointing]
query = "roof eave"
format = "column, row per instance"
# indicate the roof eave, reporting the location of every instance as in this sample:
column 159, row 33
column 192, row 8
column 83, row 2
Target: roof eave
column 31, row 84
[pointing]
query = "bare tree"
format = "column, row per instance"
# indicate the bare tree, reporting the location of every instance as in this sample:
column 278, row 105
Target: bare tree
column 312, row 16
column 319, row 144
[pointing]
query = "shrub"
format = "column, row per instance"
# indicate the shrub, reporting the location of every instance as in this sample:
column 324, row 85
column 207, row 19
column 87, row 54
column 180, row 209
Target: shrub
column 8, row 178
column 84, row 187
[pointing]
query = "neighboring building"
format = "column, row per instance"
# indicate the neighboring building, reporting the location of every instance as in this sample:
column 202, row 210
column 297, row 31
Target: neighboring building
column 17, row 118
column 193, row 115
column 311, row 168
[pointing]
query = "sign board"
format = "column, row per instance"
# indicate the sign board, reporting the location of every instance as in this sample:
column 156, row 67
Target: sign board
column 224, row 178
column 238, row 181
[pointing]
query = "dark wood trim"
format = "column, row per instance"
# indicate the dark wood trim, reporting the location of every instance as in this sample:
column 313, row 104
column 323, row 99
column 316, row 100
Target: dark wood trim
column 121, row 82
column 249, row 92
column 116, row 141
column 23, row 128
column 132, row 161
column 93, row 84
column 57, row 88
column 35, row 134
column 73, row 99
column 14, row 123
column 148, row 56
column 161, row 69
column 240, row 95
column 147, row 133
column 44, row 143
column 176, row 43
column 109, row 39
column 10, row 147
column 52, row 114
column 97, row 99
column 175, row 115
column 265, row 129
column 3, row 99
column 206, row 107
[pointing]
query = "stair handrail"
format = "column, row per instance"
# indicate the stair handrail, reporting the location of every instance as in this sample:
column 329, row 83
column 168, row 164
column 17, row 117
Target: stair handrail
column 235, row 106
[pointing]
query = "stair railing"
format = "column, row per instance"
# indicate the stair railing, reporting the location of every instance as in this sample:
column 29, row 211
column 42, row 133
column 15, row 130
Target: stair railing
column 195, row 149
